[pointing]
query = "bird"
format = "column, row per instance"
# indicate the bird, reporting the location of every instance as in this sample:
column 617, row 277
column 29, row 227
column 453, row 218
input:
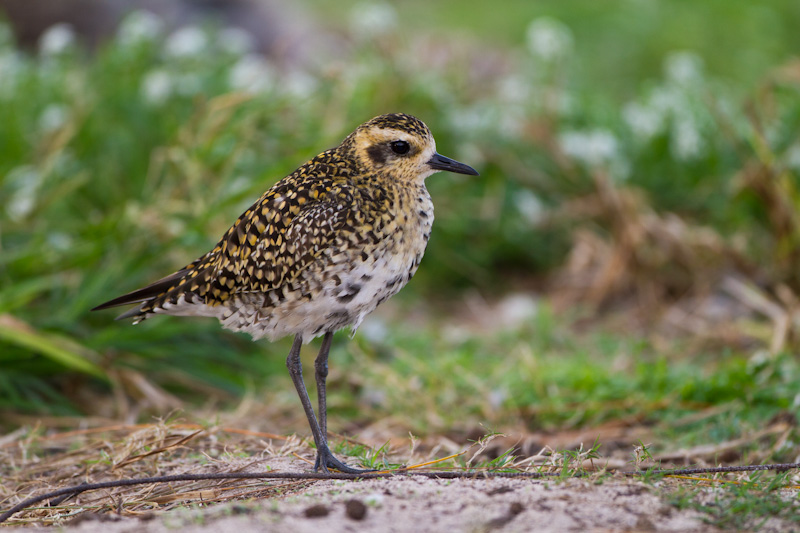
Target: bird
column 316, row 253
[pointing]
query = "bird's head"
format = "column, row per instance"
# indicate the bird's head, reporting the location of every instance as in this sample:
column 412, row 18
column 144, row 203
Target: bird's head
column 401, row 146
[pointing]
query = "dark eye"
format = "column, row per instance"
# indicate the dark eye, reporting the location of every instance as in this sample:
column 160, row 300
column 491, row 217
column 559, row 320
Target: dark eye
column 400, row 147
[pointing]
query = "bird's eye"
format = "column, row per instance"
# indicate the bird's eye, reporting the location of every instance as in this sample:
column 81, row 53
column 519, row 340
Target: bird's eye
column 400, row 147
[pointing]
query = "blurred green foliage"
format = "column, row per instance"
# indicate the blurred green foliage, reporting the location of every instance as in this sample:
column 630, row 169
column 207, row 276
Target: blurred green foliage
column 619, row 44
column 122, row 165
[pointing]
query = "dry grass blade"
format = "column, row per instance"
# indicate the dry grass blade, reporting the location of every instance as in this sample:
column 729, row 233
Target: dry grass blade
column 32, row 463
column 644, row 254
column 179, row 442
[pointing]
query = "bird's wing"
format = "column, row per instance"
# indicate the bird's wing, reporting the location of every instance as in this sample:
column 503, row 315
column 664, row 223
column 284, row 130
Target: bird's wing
column 284, row 232
column 280, row 257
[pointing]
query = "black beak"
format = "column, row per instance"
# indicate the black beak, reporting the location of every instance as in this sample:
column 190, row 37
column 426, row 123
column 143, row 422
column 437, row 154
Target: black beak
column 440, row 162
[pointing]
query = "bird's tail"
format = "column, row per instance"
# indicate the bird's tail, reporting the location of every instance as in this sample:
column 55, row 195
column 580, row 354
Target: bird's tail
column 143, row 296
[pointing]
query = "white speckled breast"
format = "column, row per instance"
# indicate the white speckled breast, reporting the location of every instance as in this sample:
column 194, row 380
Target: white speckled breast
column 347, row 283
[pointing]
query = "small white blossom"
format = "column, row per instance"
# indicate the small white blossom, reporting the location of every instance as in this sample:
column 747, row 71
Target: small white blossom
column 53, row 117
column 140, row 26
column 683, row 68
column 685, row 141
column 56, row 39
column 793, row 157
column 236, row 41
column 373, row 19
column 59, row 241
column 157, row 87
column 514, row 89
column 666, row 100
column 759, row 358
column 24, row 183
column 252, row 73
column 186, row 42
column 645, row 122
column 299, row 84
column 548, row 39
column 594, row 147
column 529, row 206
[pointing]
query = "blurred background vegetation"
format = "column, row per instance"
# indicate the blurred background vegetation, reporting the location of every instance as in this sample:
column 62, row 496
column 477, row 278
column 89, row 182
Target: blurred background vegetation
column 630, row 248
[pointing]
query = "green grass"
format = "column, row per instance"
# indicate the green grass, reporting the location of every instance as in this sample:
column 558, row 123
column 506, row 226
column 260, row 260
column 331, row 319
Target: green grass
column 746, row 505
column 549, row 384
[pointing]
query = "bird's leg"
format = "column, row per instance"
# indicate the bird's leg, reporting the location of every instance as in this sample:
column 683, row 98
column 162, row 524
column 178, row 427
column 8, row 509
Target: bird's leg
column 325, row 458
column 321, row 374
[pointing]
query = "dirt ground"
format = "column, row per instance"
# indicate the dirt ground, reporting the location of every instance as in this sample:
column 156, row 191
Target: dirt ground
column 423, row 505
column 409, row 504
column 396, row 504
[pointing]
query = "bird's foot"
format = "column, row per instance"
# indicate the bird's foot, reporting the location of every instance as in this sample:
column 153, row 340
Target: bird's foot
column 326, row 461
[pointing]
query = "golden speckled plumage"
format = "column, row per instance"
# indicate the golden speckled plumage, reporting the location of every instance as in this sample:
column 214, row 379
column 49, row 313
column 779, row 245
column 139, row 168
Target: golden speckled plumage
column 318, row 251
column 353, row 218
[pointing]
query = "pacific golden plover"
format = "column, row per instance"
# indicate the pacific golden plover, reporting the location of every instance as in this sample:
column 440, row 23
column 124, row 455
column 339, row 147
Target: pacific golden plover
column 317, row 252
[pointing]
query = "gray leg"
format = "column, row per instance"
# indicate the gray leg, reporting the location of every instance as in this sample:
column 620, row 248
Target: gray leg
column 321, row 374
column 325, row 458
column 321, row 367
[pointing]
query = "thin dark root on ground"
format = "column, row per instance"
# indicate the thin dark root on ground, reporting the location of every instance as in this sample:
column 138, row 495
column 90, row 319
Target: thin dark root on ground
column 58, row 496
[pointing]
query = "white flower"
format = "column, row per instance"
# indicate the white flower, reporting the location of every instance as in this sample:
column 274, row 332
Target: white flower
column 56, row 39
column 666, row 100
column 299, row 84
column 186, row 42
column 236, row 41
column 252, row 73
column 645, row 122
column 793, row 157
column 594, row 147
column 529, row 206
column 683, row 67
column 514, row 89
column 59, row 241
column 157, row 87
column 548, row 39
column 140, row 26
column 53, row 117
column 24, row 182
column 685, row 141
column 372, row 19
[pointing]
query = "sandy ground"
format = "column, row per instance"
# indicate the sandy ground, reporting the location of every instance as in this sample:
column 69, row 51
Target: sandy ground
column 396, row 504
column 424, row 505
